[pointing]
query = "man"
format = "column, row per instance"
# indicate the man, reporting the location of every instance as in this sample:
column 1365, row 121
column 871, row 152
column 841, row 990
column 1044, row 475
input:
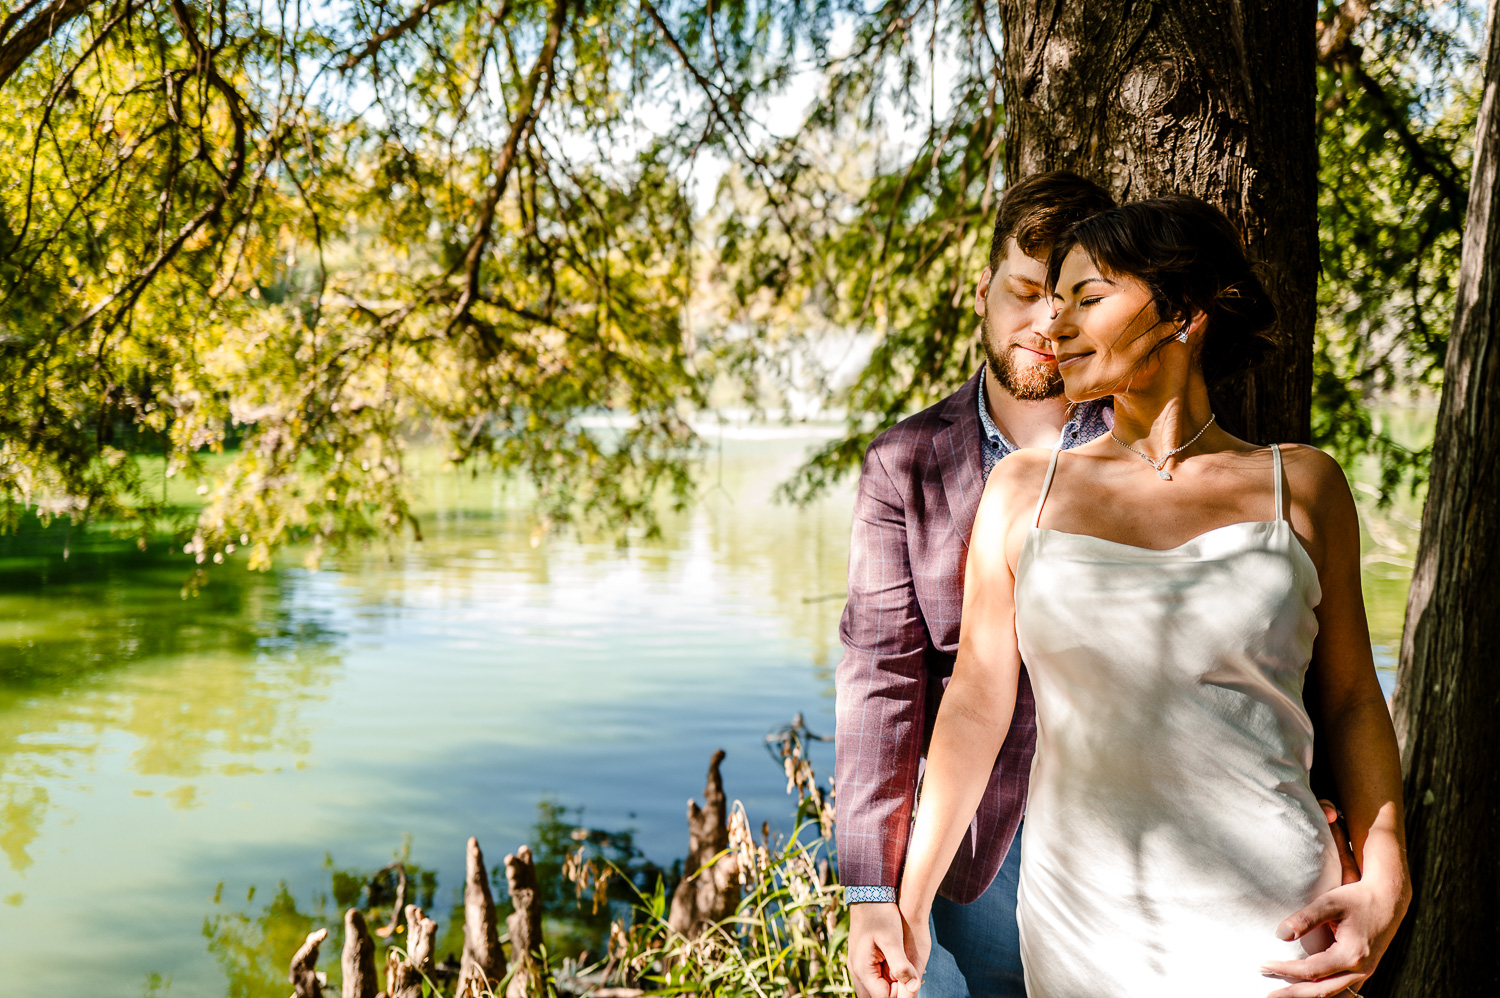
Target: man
column 918, row 493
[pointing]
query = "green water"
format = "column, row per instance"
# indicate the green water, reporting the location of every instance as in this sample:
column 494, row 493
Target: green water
column 182, row 779
column 1388, row 539
column 157, row 753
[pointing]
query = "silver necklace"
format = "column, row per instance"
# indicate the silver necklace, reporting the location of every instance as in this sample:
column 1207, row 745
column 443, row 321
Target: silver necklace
column 1160, row 466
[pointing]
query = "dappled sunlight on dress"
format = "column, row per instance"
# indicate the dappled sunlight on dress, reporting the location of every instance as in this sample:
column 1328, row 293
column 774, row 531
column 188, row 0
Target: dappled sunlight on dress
column 1170, row 825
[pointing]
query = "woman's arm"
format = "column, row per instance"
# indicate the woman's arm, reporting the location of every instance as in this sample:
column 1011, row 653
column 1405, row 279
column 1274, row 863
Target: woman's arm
column 976, row 709
column 1360, row 742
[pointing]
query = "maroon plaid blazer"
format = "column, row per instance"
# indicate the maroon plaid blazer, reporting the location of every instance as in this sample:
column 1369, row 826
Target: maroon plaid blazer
column 918, row 493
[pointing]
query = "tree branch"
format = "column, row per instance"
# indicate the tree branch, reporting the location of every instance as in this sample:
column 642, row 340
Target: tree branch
column 1334, row 35
column 527, row 107
column 369, row 48
column 1337, row 51
column 15, row 17
column 133, row 288
column 1428, row 162
column 36, row 33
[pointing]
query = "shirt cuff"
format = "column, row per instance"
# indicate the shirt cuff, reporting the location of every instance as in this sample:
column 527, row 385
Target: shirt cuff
column 859, row 895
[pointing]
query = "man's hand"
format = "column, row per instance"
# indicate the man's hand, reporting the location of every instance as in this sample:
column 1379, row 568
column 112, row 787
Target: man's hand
column 1363, row 921
column 878, row 951
column 1347, row 863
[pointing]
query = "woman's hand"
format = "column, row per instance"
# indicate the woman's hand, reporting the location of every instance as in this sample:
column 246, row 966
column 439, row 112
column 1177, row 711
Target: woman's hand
column 1363, row 917
column 916, row 928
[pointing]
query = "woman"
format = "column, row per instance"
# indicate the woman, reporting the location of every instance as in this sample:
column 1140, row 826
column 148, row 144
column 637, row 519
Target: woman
column 1169, row 586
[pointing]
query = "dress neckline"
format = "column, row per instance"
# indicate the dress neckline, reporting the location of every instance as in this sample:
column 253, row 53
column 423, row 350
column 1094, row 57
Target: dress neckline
column 1295, row 543
column 1176, row 547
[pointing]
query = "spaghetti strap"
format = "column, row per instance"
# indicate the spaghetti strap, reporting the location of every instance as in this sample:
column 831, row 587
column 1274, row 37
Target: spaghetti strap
column 1036, row 520
column 1276, row 460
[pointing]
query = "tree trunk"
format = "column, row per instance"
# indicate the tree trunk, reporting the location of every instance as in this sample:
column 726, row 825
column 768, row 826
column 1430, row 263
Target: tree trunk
column 1206, row 97
column 1448, row 693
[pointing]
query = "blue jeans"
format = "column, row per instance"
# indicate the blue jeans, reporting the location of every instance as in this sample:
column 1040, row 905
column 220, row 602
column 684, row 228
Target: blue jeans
column 976, row 948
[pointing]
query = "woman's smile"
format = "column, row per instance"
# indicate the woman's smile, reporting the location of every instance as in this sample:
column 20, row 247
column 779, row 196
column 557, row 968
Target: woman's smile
column 1108, row 317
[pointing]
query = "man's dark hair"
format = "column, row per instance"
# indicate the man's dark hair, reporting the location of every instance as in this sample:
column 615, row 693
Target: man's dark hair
column 1039, row 209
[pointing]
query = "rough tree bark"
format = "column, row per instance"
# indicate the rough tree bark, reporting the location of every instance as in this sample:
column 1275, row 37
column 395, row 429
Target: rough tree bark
column 525, row 925
column 1209, row 97
column 483, row 964
column 708, row 893
column 358, row 958
column 1448, row 694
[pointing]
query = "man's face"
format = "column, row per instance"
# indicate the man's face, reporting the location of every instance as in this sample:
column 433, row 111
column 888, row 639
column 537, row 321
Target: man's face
column 1015, row 315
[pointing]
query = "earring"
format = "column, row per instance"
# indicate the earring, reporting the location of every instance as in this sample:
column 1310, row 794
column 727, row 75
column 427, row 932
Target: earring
column 1182, row 334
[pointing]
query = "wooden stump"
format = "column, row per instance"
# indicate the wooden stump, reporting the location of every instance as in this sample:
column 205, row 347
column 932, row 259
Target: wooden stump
column 709, row 891
column 403, row 977
column 525, row 925
column 421, row 936
column 483, row 964
column 358, row 959
column 304, row 974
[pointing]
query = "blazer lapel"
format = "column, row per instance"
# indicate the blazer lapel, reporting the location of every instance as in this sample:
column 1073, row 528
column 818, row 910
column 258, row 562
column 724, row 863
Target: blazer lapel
column 956, row 447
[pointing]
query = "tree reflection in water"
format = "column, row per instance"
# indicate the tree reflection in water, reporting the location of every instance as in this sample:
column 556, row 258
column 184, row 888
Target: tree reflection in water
column 103, row 643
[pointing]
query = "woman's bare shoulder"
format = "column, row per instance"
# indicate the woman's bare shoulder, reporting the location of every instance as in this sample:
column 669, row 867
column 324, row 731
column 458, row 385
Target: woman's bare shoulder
column 1019, row 471
column 1313, row 473
column 1014, row 484
column 1321, row 502
column 1009, row 496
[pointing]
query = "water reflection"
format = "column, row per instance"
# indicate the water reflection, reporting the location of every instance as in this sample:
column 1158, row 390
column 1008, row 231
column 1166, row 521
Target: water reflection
column 152, row 747
column 93, row 647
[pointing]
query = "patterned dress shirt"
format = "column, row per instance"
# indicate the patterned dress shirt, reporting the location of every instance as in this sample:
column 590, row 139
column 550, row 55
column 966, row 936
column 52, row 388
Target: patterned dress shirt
column 1086, row 423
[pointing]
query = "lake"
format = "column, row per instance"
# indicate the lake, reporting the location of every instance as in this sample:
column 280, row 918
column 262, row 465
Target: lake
column 180, row 775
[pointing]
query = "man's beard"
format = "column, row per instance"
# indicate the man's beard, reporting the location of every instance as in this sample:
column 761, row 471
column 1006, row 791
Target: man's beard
column 1026, row 382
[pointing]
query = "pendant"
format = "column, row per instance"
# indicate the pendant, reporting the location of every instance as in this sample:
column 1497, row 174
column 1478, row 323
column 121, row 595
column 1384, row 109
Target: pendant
column 1163, row 474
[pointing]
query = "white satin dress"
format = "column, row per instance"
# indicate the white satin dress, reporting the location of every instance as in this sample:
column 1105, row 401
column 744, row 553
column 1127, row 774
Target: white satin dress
column 1170, row 825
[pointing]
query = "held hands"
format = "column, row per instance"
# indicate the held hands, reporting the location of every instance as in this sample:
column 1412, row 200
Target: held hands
column 1347, row 865
column 886, row 955
column 1363, row 918
column 918, row 930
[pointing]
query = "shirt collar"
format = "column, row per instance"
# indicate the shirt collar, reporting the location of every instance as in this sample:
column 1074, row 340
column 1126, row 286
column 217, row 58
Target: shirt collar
column 992, row 434
column 1086, row 422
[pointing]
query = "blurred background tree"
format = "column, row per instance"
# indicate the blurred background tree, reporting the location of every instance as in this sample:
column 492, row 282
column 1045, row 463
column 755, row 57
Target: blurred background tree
column 302, row 237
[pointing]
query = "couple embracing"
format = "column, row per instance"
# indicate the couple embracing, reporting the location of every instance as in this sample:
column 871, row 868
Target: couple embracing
column 1074, row 598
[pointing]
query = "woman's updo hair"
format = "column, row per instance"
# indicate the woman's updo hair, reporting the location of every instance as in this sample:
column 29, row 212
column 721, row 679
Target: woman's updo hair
column 1191, row 259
